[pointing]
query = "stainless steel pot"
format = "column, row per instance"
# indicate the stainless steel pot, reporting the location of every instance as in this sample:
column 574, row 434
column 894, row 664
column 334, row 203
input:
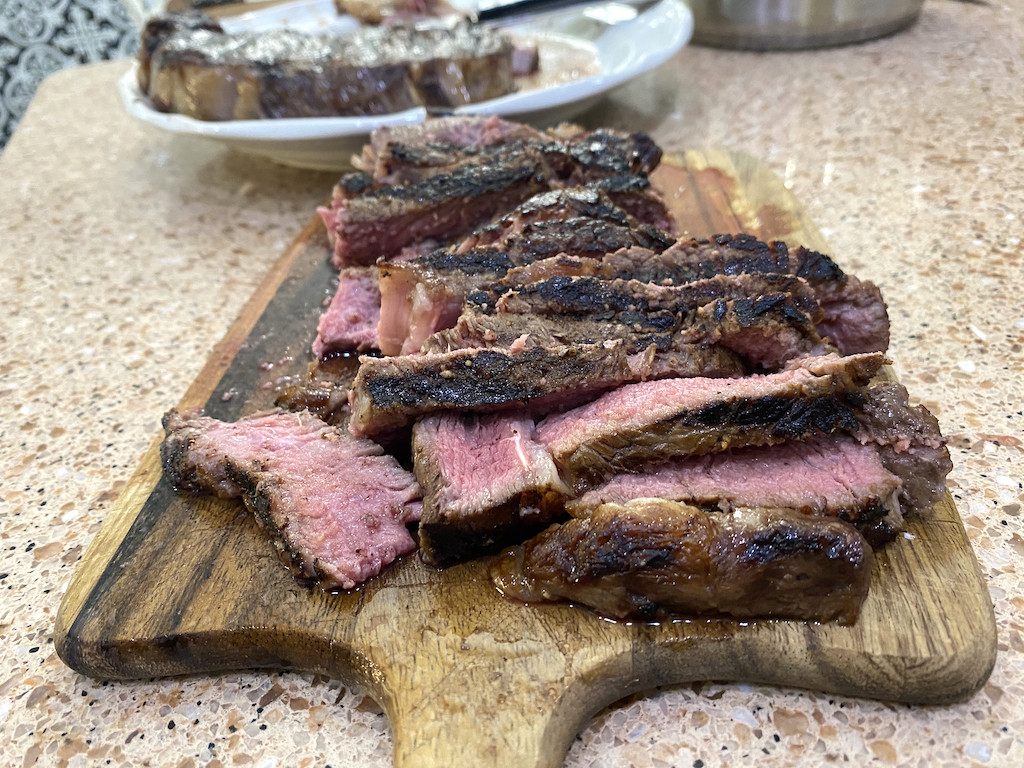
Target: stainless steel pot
column 766, row 25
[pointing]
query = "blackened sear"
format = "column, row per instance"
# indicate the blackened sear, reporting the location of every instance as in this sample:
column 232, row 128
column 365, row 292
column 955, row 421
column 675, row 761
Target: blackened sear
column 651, row 558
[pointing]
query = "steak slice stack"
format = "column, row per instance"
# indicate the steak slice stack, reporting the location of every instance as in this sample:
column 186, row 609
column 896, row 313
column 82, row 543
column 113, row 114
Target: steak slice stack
column 652, row 558
column 335, row 505
column 649, row 422
column 369, row 219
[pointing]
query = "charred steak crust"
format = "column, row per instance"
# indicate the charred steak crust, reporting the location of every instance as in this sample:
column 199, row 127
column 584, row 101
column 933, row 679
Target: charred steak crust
column 651, row 558
column 388, row 393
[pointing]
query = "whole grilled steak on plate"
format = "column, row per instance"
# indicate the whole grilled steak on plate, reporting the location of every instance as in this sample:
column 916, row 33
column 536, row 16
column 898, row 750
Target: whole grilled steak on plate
column 196, row 69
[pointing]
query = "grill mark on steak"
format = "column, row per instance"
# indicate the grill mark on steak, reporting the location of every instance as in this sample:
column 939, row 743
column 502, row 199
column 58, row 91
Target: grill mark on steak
column 486, row 483
column 388, row 393
column 834, row 476
column 652, row 558
column 652, row 421
column 335, row 505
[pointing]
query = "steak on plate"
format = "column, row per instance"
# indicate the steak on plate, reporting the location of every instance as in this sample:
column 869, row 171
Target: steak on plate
column 208, row 74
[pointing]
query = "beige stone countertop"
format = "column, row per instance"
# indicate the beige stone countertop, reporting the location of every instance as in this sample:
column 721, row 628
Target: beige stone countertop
column 127, row 252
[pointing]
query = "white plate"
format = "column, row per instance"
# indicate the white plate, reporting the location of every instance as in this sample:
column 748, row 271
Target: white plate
column 624, row 50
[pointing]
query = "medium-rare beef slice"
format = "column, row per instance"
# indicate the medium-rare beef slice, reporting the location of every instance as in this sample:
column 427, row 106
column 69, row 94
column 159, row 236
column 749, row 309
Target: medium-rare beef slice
column 829, row 476
column 856, row 318
column 350, row 322
column 654, row 559
column 672, row 356
column 767, row 329
column 208, row 74
column 388, row 393
column 468, row 132
column 336, row 505
column 909, row 442
column 654, row 421
column 424, row 295
column 486, row 483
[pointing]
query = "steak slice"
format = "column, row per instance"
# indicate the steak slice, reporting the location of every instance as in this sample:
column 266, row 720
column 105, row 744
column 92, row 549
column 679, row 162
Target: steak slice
column 910, row 444
column 425, row 295
column 351, row 320
column 336, row 505
column 855, row 316
column 486, row 483
column 389, row 393
column 828, row 476
column 672, row 356
column 653, row 421
column 652, row 559
column 378, row 222
column 208, row 74
column 767, row 329
column 437, row 135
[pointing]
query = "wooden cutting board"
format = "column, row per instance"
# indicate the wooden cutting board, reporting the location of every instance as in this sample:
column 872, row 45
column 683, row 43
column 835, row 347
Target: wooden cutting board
column 180, row 584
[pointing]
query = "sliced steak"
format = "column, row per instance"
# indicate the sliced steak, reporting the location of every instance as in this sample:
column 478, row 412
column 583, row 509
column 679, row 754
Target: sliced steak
column 828, row 476
column 210, row 75
column 486, row 483
column 672, row 356
column 379, row 222
column 389, row 393
column 910, row 444
column 767, row 329
column 476, row 185
column 653, row 421
column 425, row 295
column 336, row 505
column 855, row 317
column 350, row 322
column 652, row 558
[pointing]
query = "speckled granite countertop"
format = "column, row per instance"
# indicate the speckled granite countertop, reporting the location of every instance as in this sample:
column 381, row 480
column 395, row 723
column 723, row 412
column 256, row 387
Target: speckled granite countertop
column 126, row 253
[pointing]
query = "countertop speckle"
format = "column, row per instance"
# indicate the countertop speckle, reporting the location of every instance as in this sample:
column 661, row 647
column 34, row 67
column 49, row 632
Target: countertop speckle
column 127, row 252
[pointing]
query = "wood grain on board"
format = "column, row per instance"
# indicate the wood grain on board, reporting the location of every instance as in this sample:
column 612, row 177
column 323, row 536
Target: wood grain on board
column 180, row 584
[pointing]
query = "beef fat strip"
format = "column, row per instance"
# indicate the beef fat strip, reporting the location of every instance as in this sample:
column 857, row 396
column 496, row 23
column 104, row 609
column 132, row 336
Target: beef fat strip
column 486, row 483
column 653, row 421
column 390, row 393
column 651, row 558
column 828, row 476
column 336, row 505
